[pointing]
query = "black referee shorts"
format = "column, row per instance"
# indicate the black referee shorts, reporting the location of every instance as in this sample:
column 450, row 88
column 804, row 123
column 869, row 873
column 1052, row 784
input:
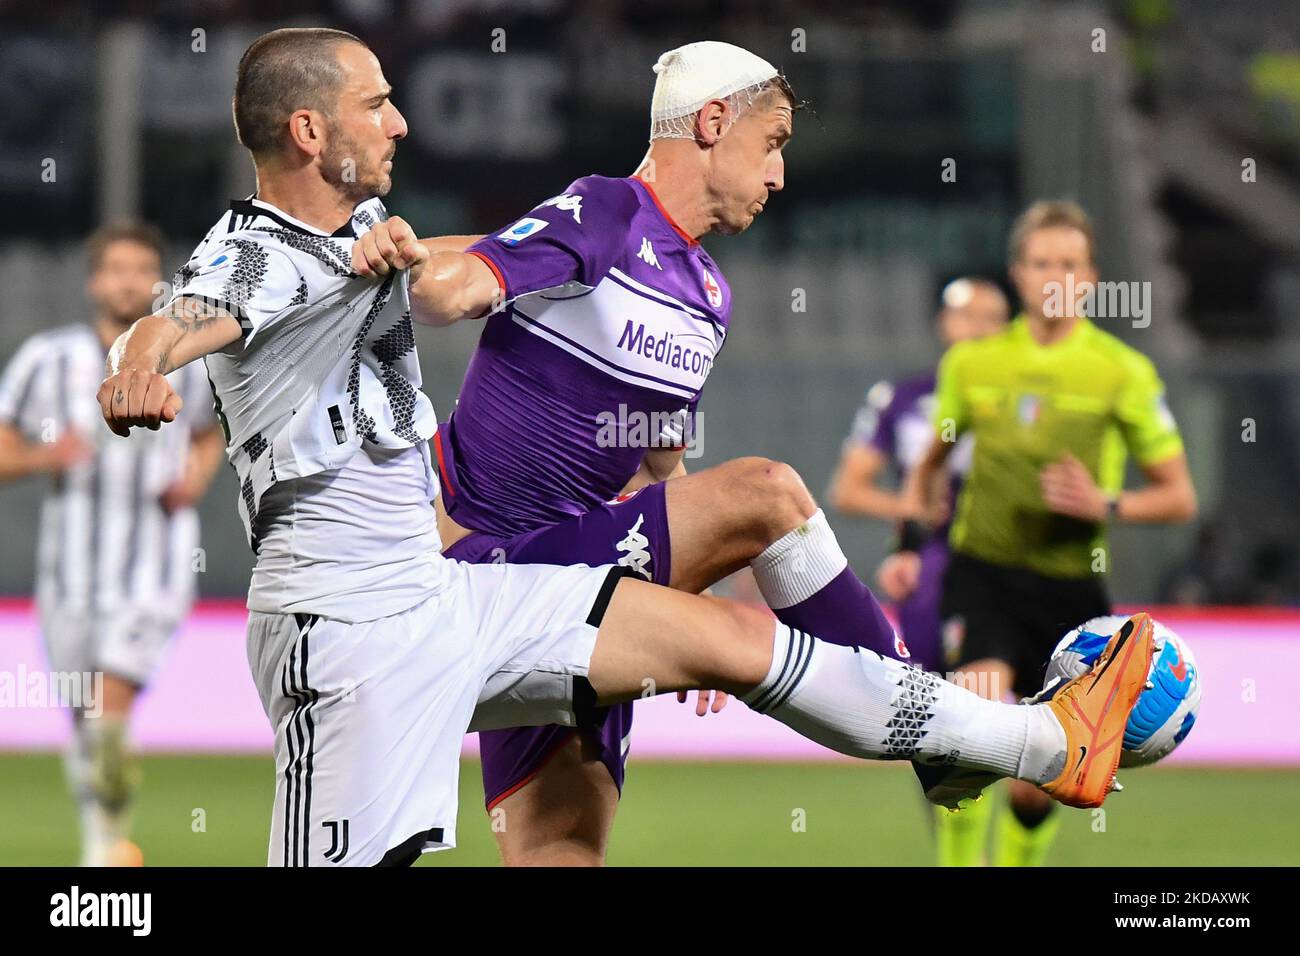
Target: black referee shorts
column 1013, row 615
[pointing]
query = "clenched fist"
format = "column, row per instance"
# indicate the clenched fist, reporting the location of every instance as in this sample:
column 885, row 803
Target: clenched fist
column 900, row 575
column 389, row 245
column 134, row 397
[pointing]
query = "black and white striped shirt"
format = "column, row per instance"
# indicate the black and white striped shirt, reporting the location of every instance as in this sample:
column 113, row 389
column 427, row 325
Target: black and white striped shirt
column 106, row 542
column 327, row 360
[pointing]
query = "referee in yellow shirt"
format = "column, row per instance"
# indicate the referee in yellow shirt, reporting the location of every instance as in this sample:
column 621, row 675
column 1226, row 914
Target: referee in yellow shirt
column 1055, row 404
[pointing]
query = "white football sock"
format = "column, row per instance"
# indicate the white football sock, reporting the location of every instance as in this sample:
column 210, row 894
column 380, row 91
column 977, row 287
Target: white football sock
column 858, row 703
column 103, row 779
column 799, row 564
column 77, row 771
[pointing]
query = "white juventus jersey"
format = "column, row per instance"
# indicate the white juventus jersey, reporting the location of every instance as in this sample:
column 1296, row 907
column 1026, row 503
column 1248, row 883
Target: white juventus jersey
column 327, row 359
column 106, row 542
column 354, row 544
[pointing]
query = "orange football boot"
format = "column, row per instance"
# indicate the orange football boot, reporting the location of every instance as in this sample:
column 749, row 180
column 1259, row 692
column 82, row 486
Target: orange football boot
column 1094, row 708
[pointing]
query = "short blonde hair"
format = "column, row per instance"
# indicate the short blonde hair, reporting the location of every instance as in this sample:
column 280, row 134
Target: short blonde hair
column 1049, row 214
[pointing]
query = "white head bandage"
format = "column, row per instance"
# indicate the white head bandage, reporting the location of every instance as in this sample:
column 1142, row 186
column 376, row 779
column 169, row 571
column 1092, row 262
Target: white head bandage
column 691, row 75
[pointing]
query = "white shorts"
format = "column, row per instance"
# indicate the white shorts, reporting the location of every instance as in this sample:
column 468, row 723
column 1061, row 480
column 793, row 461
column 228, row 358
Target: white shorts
column 127, row 642
column 369, row 717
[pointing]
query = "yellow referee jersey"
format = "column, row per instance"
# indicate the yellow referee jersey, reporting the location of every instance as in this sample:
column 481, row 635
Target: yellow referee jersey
column 1027, row 404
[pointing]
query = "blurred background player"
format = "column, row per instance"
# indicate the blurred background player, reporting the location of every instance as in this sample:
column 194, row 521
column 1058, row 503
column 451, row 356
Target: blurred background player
column 1054, row 404
column 893, row 430
column 115, row 572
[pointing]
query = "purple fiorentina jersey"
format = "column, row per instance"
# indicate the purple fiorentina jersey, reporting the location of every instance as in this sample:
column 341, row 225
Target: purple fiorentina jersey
column 896, row 420
column 613, row 319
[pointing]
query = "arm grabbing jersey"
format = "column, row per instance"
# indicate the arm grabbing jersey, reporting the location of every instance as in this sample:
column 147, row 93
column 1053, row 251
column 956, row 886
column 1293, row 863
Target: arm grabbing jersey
column 327, row 359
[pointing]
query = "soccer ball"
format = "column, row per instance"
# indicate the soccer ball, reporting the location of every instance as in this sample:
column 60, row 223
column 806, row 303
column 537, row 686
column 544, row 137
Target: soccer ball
column 1165, row 711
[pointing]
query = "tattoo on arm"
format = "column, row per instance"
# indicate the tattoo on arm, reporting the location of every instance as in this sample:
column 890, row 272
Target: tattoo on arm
column 190, row 316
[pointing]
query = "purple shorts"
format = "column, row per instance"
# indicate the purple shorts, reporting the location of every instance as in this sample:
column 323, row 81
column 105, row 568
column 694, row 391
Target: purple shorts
column 632, row 532
column 919, row 619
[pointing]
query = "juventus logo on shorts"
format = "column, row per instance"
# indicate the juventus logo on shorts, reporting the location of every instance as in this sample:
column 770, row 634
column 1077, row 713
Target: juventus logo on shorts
column 338, row 840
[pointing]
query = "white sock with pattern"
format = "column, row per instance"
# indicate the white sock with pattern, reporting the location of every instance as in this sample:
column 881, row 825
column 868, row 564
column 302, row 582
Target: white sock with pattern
column 858, row 703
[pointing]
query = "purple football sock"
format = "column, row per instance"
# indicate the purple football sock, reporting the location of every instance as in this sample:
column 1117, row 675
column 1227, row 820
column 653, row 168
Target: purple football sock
column 843, row 612
column 806, row 581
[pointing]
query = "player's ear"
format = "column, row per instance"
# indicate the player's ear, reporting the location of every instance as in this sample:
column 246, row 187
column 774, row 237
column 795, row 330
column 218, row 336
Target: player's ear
column 307, row 131
column 711, row 121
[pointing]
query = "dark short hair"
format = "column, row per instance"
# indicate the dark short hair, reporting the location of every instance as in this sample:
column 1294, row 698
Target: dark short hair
column 282, row 71
column 141, row 233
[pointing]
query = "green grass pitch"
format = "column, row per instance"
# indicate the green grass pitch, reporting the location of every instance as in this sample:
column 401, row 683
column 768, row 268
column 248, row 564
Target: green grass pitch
column 204, row 810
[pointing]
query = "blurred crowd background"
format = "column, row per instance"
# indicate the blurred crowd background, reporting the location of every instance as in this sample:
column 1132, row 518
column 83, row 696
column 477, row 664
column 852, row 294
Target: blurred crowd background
column 1176, row 124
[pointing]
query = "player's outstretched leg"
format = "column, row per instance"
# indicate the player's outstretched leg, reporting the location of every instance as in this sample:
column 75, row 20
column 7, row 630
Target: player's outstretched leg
column 562, row 783
column 860, row 704
column 757, row 512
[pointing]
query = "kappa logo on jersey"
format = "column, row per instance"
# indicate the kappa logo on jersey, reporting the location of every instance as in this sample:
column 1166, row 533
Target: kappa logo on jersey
column 338, row 840
column 569, row 203
column 712, row 290
column 522, row 230
column 636, row 545
column 647, row 254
